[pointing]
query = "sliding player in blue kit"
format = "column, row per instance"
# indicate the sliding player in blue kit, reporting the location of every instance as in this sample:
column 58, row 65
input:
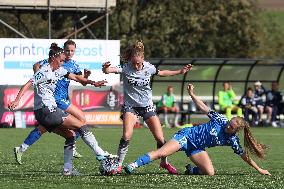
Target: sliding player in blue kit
column 61, row 97
column 193, row 141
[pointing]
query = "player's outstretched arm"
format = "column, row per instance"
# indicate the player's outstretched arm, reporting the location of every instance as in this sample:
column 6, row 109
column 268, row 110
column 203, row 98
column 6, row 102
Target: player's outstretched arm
column 254, row 165
column 84, row 81
column 87, row 73
column 12, row 105
column 36, row 67
column 106, row 68
column 199, row 103
column 184, row 70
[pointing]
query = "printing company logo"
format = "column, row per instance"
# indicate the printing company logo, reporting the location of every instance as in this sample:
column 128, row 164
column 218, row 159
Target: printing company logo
column 40, row 49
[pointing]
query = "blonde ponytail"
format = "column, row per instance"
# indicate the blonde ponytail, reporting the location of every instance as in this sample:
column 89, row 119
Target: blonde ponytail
column 251, row 144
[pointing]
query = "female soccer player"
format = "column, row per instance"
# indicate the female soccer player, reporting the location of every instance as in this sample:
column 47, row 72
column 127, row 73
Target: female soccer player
column 138, row 98
column 49, row 115
column 61, row 97
column 193, row 141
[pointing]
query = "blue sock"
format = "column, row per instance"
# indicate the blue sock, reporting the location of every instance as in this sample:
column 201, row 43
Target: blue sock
column 77, row 135
column 33, row 137
column 143, row 160
column 195, row 171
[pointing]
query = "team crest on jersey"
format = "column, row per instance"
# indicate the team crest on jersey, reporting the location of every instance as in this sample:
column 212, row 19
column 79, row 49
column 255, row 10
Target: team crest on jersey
column 56, row 74
column 214, row 133
column 38, row 76
column 146, row 73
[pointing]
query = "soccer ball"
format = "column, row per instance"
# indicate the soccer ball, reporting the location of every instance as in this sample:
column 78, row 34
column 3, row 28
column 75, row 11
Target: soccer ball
column 109, row 166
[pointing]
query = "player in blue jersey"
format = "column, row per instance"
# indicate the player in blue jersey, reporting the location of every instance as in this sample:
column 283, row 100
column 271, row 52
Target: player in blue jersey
column 193, row 141
column 136, row 74
column 47, row 112
column 61, row 97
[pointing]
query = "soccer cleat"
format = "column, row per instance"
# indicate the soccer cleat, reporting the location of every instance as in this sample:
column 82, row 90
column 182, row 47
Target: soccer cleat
column 74, row 172
column 274, row 124
column 171, row 169
column 106, row 155
column 129, row 169
column 119, row 169
column 18, row 155
column 76, row 154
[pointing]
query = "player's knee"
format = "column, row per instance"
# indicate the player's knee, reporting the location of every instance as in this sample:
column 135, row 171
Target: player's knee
column 161, row 154
column 83, row 121
column 164, row 109
column 209, row 172
column 70, row 134
column 41, row 129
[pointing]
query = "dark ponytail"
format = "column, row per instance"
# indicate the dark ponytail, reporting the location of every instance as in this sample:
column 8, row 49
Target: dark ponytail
column 55, row 50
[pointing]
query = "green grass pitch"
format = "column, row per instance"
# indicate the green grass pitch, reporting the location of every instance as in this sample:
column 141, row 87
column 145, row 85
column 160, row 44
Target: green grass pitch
column 43, row 163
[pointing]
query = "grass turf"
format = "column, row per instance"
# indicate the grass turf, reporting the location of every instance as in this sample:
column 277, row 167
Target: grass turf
column 43, row 163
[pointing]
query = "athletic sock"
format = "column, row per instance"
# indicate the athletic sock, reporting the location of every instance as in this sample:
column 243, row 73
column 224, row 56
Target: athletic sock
column 32, row 138
column 122, row 150
column 176, row 119
column 68, row 153
column 90, row 140
column 166, row 122
column 195, row 171
column 142, row 160
column 24, row 147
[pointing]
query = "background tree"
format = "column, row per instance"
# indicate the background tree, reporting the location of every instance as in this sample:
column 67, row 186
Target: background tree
column 197, row 28
column 180, row 29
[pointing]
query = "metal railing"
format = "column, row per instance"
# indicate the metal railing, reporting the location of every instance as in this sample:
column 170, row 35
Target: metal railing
column 249, row 65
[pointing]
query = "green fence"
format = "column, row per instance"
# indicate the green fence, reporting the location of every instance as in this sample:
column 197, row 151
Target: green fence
column 208, row 75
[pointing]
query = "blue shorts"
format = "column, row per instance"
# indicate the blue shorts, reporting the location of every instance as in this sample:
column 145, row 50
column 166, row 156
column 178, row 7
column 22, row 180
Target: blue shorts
column 145, row 112
column 186, row 145
column 63, row 104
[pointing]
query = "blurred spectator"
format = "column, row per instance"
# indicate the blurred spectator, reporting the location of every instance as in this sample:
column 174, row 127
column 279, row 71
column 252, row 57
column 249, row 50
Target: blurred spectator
column 259, row 95
column 168, row 104
column 227, row 102
column 272, row 104
column 248, row 104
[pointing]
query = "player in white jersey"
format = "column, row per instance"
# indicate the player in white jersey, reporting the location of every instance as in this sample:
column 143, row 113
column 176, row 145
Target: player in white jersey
column 136, row 75
column 49, row 115
column 62, row 100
